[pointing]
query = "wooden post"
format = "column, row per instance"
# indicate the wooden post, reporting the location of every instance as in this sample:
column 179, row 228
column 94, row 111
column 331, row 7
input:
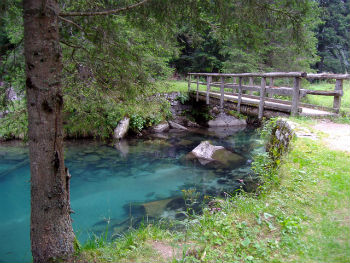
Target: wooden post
column 239, row 95
column 234, row 83
column 234, row 80
column 197, row 89
column 271, row 84
column 262, row 98
column 337, row 98
column 251, row 83
column 222, row 91
column 296, row 97
column 208, row 88
column 189, row 83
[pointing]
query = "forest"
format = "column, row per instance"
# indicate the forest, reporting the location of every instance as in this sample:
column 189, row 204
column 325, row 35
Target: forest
column 74, row 70
column 117, row 58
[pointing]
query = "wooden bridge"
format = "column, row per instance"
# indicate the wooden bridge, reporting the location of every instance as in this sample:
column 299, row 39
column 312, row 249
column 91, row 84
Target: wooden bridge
column 247, row 97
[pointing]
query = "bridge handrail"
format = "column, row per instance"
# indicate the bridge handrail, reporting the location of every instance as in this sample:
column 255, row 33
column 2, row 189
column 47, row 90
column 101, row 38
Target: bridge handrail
column 296, row 92
column 277, row 75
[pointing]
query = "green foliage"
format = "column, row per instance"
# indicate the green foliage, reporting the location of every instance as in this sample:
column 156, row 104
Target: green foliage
column 183, row 97
column 14, row 125
column 237, row 115
column 334, row 36
column 253, row 43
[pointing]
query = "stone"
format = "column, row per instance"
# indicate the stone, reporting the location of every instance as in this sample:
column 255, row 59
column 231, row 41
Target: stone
column 121, row 129
column 177, row 126
column 215, row 110
column 218, row 156
column 224, row 120
column 156, row 208
column 161, row 127
column 227, row 158
column 205, row 150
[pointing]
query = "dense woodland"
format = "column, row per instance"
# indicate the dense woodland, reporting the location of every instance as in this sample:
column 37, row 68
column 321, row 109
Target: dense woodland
column 120, row 58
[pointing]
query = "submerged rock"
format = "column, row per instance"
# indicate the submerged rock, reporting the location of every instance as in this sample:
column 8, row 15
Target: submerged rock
column 121, row 129
column 156, row 208
column 224, row 120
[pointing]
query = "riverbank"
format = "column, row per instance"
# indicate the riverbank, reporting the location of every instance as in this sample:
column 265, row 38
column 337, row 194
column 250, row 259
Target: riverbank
column 300, row 215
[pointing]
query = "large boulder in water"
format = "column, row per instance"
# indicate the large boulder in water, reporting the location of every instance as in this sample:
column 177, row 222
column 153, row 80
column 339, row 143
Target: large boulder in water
column 121, row 129
column 224, row 120
column 207, row 153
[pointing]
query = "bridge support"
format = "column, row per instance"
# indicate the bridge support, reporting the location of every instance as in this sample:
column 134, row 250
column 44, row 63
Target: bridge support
column 239, row 95
column 262, row 98
column 296, row 97
column 222, row 91
column 337, row 98
column 208, row 89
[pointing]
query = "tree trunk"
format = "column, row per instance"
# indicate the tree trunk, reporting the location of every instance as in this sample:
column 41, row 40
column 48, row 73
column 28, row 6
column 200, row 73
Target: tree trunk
column 51, row 232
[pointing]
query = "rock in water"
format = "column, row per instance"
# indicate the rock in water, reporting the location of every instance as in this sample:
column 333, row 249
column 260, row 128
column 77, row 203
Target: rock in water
column 177, row 126
column 206, row 153
column 121, row 129
column 205, row 150
column 161, row 127
column 224, row 120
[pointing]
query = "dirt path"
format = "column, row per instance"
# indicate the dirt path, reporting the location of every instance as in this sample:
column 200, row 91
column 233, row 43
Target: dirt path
column 338, row 134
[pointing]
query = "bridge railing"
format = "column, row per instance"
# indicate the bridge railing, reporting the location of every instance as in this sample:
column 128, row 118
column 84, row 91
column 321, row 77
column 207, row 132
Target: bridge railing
column 296, row 92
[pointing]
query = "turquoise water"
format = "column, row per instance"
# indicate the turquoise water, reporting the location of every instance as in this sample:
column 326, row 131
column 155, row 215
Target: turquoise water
column 112, row 185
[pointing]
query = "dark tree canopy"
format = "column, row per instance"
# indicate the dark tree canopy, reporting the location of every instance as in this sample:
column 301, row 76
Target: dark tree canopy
column 334, row 36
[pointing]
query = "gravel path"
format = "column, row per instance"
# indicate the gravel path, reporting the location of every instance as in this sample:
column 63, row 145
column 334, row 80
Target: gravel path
column 338, row 134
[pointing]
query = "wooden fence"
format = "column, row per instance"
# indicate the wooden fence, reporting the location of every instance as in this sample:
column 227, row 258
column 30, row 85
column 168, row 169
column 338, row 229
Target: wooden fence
column 296, row 92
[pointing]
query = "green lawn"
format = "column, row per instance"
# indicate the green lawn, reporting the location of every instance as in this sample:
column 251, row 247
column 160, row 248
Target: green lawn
column 328, row 101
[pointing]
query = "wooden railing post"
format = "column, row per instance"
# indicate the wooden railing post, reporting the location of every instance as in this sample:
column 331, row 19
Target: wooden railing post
column 262, row 98
column 296, row 97
column 234, row 83
column 251, row 83
column 271, row 84
column 222, row 91
column 239, row 95
column 208, row 88
column 337, row 98
column 189, row 83
column 197, row 89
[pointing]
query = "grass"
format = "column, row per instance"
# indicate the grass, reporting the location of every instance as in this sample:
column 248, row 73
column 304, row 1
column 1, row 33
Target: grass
column 328, row 101
column 301, row 217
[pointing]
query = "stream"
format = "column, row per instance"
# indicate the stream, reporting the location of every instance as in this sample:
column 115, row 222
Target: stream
column 113, row 188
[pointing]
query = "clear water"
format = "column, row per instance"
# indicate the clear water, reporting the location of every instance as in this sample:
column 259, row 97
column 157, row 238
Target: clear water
column 109, row 184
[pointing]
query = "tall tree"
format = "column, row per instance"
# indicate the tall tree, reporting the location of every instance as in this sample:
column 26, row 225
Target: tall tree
column 334, row 36
column 51, row 230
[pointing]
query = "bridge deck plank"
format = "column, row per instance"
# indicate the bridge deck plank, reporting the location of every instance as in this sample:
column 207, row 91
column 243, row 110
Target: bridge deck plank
column 283, row 107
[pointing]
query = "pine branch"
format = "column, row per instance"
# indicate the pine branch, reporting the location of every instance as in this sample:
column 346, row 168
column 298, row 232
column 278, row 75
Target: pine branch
column 103, row 13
